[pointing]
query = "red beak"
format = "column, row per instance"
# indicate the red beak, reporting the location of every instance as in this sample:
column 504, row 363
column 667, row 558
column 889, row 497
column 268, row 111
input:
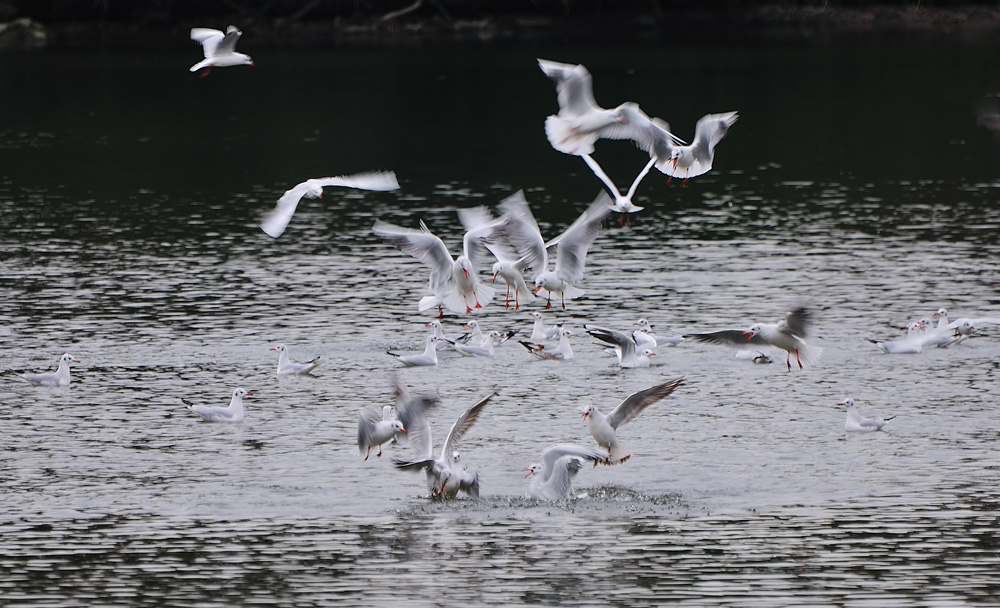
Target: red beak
column 530, row 472
column 746, row 333
column 249, row 394
column 402, row 430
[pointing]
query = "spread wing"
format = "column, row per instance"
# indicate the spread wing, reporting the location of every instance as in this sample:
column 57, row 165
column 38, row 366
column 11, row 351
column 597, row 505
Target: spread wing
column 728, row 337
column 275, row 221
column 573, row 86
column 522, row 231
column 366, row 426
column 796, row 322
column 653, row 137
column 463, row 424
column 574, row 242
column 412, row 412
column 208, row 38
column 552, row 454
column 424, row 246
column 374, row 180
column 228, row 43
column 621, row 340
column 635, row 403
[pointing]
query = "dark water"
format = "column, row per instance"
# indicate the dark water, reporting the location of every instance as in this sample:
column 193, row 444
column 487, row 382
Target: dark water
column 856, row 180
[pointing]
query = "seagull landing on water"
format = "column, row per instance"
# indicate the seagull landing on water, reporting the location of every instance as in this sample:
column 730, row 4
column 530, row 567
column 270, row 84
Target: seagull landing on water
column 60, row 377
column 220, row 49
column 423, row 359
column 275, row 221
column 787, row 334
column 604, row 428
column 552, row 479
column 856, row 423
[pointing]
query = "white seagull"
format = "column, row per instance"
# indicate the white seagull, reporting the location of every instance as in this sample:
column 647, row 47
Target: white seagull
column 454, row 283
column 275, row 221
column 439, row 471
column 552, row 479
column 233, row 413
column 623, row 202
column 375, row 429
column 287, row 367
column 787, row 334
column 571, row 246
column 603, row 428
column 914, row 342
column 580, row 121
column 562, row 351
column 482, row 349
column 541, row 332
column 658, row 340
column 220, row 49
column 427, row 357
column 629, row 353
column 695, row 159
column 856, row 423
column 60, row 377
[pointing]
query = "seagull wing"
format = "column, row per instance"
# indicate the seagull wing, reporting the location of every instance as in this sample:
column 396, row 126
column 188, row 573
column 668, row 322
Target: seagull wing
column 728, row 337
column 208, row 38
column 412, row 412
column 573, row 85
column 463, row 424
column 552, row 454
column 522, row 231
column 373, row 180
column 228, row 43
column 636, row 402
column 366, row 427
column 424, row 246
column 574, row 242
column 796, row 322
column 619, row 339
column 275, row 221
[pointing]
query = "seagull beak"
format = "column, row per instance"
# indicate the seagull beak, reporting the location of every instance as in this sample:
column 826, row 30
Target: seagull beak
column 585, row 414
column 538, row 288
column 402, row 430
column 249, row 394
column 274, row 348
column 466, row 272
column 529, row 473
column 494, row 278
column 746, row 333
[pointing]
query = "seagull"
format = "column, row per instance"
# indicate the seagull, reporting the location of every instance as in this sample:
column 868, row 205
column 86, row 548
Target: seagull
column 275, row 221
column 858, row 424
column 60, row 377
column 374, row 430
column 542, row 333
column 604, row 428
column 475, row 336
column 454, row 283
column 438, row 332
column 913, row 343
column 571, row 246
column 220, row 49
column 233, row 413
column 439, row 471
column 658, row 340
column 695, row 159
column 287, row 367
column 623, row 203
column 628, row 352
column 580, row 121
column 552, row 478
column 562, row 351
column 461, row 479
column 428, row 357
column 787, row 334
column 507, row 266
column 483, row 349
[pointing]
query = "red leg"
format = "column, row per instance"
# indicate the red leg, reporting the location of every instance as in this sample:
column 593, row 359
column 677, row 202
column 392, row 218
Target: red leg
column 797, row 358
column 788, row 360
column 368, row 453
column 562, row 298
column 206, row 72
column 506, row 302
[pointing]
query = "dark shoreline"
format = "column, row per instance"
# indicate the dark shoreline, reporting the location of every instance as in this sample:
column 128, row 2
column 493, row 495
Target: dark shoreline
column 771, row 23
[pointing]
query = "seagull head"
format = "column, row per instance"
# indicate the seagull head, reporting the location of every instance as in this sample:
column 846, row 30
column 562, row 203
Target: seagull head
column 280, row 348
column 849, row 402
column 753, row 331
column 397, row 426
column 533, row 470
column 496, row 270
column 941, row 312
column 587, row 410
column 241, row 393
column 68, row 358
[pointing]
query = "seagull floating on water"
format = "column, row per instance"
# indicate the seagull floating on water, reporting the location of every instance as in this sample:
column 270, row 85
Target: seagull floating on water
column 603, row 428
column 541, row 332
column 552, row 479
column 275, row 221
column 787, row 334
column 233, row 413
column 427, row 357
column 658, row 340
column 60, row 377
column 562, row 351
column 914, row 342
column 219, row 48
column 287, row 367
column 856, row 423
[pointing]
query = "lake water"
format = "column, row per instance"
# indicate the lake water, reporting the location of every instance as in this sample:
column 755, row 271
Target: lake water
column 856, row 181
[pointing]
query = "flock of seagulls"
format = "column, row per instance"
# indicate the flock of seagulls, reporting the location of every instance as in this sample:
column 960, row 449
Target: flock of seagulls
column 514, row 239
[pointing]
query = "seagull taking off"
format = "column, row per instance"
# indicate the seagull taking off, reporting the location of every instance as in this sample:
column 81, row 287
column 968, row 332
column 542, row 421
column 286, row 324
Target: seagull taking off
column 603, row 428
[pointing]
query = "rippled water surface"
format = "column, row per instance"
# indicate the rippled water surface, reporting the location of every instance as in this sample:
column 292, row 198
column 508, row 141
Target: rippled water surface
column 129, row 198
